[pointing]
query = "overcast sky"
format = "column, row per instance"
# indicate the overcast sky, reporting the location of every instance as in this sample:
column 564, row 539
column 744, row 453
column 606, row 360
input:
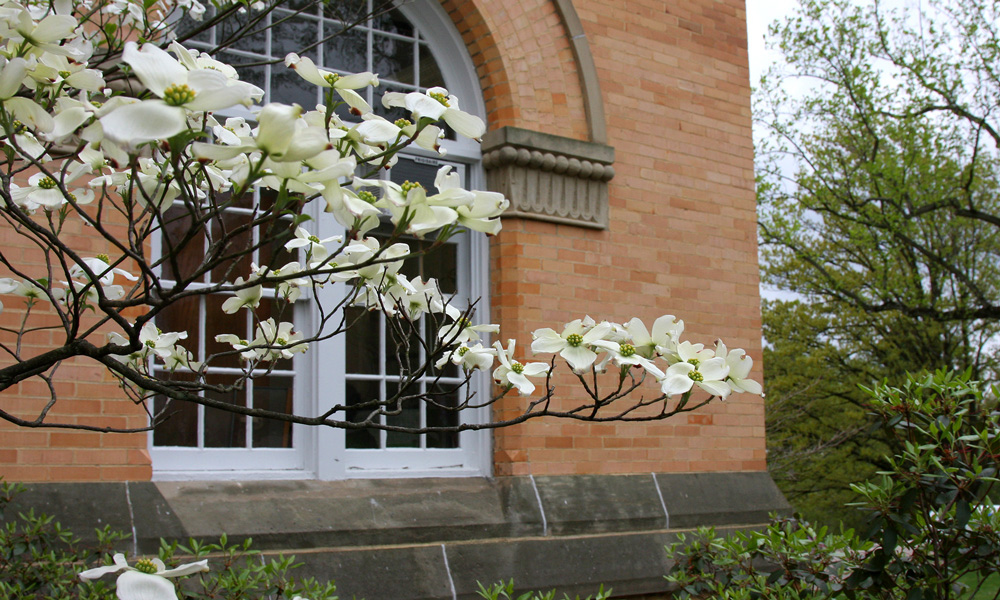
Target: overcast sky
column 760, row 14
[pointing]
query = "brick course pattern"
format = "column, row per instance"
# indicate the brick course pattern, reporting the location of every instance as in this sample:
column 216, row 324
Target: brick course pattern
column 682, row 234
column 681, row 238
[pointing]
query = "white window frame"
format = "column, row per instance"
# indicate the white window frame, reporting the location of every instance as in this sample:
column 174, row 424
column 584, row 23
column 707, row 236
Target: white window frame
column 319, row 452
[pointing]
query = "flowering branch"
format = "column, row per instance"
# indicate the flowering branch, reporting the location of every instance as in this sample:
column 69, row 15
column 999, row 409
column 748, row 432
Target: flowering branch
column 121, row 142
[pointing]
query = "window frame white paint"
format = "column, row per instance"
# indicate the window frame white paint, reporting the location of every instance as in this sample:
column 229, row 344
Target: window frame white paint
column 320, row 453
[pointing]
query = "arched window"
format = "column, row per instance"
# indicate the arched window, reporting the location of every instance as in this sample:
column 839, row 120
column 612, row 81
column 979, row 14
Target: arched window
column 412, row 47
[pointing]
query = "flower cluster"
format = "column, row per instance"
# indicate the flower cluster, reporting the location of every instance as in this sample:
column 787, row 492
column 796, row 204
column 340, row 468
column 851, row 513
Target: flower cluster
column 678, row 366
column 583, row 343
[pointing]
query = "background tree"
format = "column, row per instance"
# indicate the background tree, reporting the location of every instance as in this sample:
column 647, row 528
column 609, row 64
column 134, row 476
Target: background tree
column 879, row 211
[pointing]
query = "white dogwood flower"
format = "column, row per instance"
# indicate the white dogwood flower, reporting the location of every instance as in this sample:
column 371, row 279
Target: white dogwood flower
column 178, row 89
column 146, row 580
column 739, row 369
column 513, row 373
column 575, row 342
column 247, row 297
column 344, row 84
column 436, row 104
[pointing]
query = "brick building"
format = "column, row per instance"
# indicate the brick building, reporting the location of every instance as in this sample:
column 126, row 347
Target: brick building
column 621, row 132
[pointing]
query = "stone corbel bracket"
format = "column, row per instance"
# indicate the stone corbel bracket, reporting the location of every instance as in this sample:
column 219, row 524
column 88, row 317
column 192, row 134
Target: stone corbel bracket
column 549, row 177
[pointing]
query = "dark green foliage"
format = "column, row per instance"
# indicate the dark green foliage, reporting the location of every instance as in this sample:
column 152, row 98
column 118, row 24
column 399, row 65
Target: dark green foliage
column 505, row 591
column 879, row 204
column 39, row 560
column 931, row 528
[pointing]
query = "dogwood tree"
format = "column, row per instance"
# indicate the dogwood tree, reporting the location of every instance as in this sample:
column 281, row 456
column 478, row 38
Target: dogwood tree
column 109, row 121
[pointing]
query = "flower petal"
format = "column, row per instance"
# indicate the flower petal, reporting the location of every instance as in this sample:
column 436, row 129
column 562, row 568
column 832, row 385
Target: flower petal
column 156, row 69
column 189, row 569
column 133, row 585
column 579, row 357
column 465, row 124
column 143, row 122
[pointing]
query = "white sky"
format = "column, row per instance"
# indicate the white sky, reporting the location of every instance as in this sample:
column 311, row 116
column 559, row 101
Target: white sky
column 760, row 14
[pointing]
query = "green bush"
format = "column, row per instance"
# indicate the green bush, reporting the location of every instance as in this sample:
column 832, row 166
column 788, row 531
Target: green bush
column 505, row 591
column 931, row 531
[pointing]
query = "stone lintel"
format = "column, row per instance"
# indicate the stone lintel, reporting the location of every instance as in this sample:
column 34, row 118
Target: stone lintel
column 548, row 177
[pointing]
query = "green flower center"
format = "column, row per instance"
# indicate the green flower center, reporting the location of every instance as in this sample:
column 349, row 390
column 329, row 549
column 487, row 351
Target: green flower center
column 332, row 78
column 64, row 74
column 282, row 342
column 314, row 239
column 440, row 98
column 367, row 196
column 574, row 339
column 178, row 95
column 462, row 351
column 96, row 104
column 145, row 566
column 151, row 344
column 696, row 376
column 626, row 350
column 401, row 123
column 47, row 183
column 694, row 361
column 104, row 257
column 410, row 185
column 516, row 367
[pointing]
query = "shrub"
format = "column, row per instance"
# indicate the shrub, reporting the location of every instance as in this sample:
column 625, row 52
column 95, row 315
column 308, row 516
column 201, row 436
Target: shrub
column 931, row 530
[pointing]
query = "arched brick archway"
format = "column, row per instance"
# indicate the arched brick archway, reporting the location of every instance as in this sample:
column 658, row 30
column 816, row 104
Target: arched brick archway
column 512, row 45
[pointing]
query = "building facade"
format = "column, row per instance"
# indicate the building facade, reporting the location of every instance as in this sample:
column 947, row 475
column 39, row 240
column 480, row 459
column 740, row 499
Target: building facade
column 621, row 132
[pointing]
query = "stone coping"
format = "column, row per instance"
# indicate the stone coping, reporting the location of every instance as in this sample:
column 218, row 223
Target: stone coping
column 439, row 536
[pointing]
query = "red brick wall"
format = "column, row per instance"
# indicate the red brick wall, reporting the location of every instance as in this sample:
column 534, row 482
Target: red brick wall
column 87, row 394
column 682, row 234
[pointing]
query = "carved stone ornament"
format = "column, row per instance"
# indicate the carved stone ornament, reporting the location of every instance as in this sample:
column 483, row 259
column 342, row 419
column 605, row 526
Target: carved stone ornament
column 549, row 177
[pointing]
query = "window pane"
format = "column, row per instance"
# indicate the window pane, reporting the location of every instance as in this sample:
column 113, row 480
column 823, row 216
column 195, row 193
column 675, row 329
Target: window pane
column 392, row 59
column 225, row 429
column 242, row 32
column 402, row 344
column 234, row 228
column 362, row 355
column 289, row 88
column 356, row 393
column 346, row 51
column 181, row 425
column 179, row 240
column 430, row 72
column 408, row 417
column 392, row 22
column 275, row 394
column 218, row 322
column 440, row 416
column 346, row 11
column 183, row 315
column 186, row 26
column 293, row 34
column 408, row 169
